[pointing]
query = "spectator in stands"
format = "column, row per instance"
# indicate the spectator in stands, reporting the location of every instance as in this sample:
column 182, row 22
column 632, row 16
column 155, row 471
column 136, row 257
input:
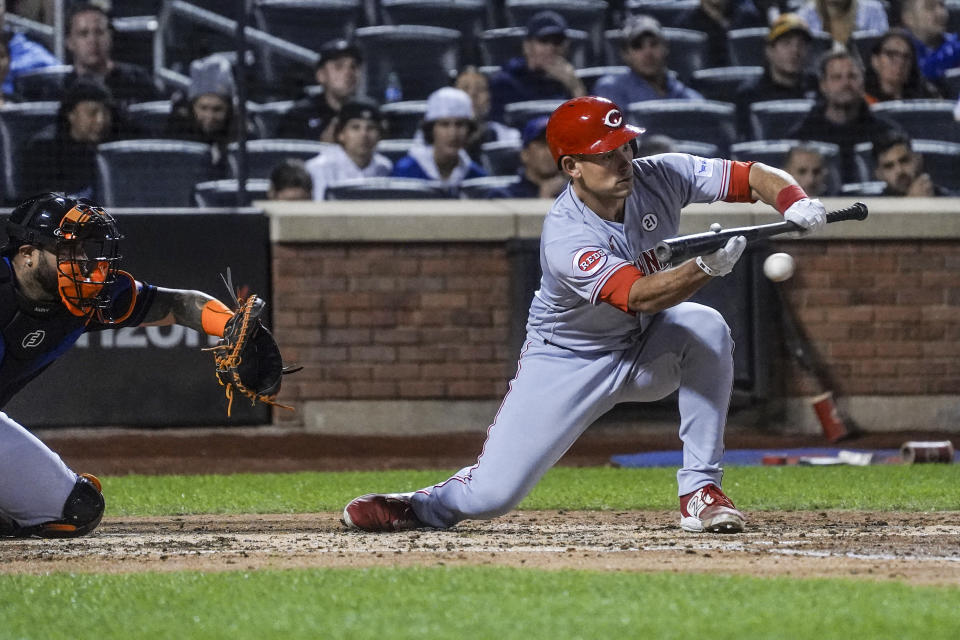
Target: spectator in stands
column 90, row 43
column 644, row 50
column 542, row 72
column 207, row 114
column 842, row 116
column 446, row 129
column 893, row 73
column 5, row 96
column 716, row 18
column 809, row 168
column 64, row 159
column 901, row 168
column 477, row 86
column 290, row 180
column 338, row 72
column 784, row 74
column 652, row 145
column 840, row 18
column 357, row 130
column 25, row 54
column 539, row 175
column 937, row 50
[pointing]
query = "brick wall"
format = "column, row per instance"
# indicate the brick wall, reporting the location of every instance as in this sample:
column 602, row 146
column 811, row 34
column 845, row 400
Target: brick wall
column 885, row 315
column 388, row 321
column 393, row 320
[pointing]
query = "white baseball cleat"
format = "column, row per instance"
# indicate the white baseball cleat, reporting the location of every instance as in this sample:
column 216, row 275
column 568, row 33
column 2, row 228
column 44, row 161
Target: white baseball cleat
column 708, row 509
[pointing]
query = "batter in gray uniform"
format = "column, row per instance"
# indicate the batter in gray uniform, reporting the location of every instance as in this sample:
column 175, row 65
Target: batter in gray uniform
column 611, row 324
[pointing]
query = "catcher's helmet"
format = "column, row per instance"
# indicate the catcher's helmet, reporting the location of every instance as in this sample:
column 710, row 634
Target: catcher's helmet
column 83, row 237
column 588, row 125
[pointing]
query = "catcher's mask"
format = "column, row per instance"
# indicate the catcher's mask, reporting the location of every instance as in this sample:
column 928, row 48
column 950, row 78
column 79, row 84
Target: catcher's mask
column 85, row 240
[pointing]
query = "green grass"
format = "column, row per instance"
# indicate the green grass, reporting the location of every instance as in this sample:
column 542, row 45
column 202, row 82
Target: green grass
column 910, row 488
column 467, row 602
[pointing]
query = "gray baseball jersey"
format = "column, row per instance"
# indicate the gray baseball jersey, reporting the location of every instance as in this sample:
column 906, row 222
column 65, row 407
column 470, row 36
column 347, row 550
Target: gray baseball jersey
column 586, row 352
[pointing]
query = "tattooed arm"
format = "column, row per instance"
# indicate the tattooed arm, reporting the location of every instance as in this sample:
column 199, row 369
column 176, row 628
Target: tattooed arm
column 177, row 306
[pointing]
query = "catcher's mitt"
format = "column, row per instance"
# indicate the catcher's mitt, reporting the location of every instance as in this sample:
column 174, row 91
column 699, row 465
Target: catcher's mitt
column 247, row 357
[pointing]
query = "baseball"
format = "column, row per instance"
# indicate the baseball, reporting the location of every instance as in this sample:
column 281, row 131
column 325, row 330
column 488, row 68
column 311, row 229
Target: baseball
column 778, row 266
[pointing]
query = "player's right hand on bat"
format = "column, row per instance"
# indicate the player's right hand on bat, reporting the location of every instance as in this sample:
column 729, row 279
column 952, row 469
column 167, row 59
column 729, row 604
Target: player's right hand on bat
column 807, row 214
column 721, row 261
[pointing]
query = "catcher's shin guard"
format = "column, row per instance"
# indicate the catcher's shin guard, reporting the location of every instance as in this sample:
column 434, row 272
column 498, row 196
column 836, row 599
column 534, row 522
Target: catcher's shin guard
column 81, row 513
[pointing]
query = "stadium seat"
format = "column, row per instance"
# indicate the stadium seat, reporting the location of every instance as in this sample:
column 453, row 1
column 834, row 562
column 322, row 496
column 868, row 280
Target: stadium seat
column 308, row 23
column 773, row 119
column 266, row 116
column 590, row 75
column 478, row 187
column 863, row 42
column 501, row 158
column 403, row 118
column 585, row 15
column 926, row 119
column 939, row 160
column 185, row 34
column 226, row 8
column 264, row 155
column 872, row 188
column 466, row 16
column 701, row 120
column 702, row 149
column 151, row 117
column 133, row 39
column 951, row 80
column 387, row 189
column 517, row 114
column 953, row 16
column 421, row 57
column 721, row 83
column 150, row 173
column 746, row 46
column 395, row 149
column 45, row 83
column 688, row 51
column 668, row 12
column 18, row 123
column 498, row 46
column 774, row 153
column 128, row 8
column 223, row 193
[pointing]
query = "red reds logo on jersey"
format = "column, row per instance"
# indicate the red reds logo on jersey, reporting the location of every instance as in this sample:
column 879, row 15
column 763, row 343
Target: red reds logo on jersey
column 590, row 259
column 613, row 119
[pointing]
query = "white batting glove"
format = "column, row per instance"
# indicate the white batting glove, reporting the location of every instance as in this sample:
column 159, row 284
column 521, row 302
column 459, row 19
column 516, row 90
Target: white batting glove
column 721, row 261
column 807, row 214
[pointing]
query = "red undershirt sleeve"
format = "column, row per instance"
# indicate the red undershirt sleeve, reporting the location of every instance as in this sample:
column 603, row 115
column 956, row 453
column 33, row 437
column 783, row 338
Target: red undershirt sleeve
column 739, row 188
column 616, row 291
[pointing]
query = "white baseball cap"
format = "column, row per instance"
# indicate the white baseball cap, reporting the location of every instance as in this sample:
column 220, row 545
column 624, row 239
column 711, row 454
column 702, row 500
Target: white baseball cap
column 448, row 103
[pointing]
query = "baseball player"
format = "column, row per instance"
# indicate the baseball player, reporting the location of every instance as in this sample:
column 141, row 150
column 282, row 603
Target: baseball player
column 611, row 324
column 59, row 278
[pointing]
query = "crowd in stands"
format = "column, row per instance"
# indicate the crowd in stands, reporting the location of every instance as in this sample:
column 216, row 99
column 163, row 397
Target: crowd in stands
column 848, row 65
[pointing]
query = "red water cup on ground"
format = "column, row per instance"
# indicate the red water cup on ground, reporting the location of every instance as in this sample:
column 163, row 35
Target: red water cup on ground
column 833, row 425
column 914, row 452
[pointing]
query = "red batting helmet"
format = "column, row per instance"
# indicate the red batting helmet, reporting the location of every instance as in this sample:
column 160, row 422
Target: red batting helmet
column 588, row 125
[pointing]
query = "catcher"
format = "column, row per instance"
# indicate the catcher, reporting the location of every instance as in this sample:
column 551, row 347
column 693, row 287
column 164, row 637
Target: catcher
column 59, row 278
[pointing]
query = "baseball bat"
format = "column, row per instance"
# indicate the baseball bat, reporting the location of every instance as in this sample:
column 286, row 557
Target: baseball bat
column 683, row 247
column 836, row 423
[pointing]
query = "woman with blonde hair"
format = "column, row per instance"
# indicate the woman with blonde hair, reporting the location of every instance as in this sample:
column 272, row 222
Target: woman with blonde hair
column 840, row 18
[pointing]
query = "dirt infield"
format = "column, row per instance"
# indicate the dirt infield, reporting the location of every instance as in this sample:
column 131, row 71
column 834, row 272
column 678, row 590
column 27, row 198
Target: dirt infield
column 918, row 548
column 913, row 548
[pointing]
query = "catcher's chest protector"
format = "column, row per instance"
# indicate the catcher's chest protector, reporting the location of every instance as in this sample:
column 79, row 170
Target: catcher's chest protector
column 31, row 336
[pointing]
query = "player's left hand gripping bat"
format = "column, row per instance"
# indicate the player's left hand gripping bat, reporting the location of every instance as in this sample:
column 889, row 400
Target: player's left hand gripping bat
column 676, row 250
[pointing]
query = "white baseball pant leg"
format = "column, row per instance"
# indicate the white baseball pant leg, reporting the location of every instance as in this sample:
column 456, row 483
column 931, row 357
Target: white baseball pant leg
column 35, row 482
column 689, row 347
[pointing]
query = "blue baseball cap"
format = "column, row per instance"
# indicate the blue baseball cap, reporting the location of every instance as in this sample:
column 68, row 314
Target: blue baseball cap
column 546, row 23
column 535, row 129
